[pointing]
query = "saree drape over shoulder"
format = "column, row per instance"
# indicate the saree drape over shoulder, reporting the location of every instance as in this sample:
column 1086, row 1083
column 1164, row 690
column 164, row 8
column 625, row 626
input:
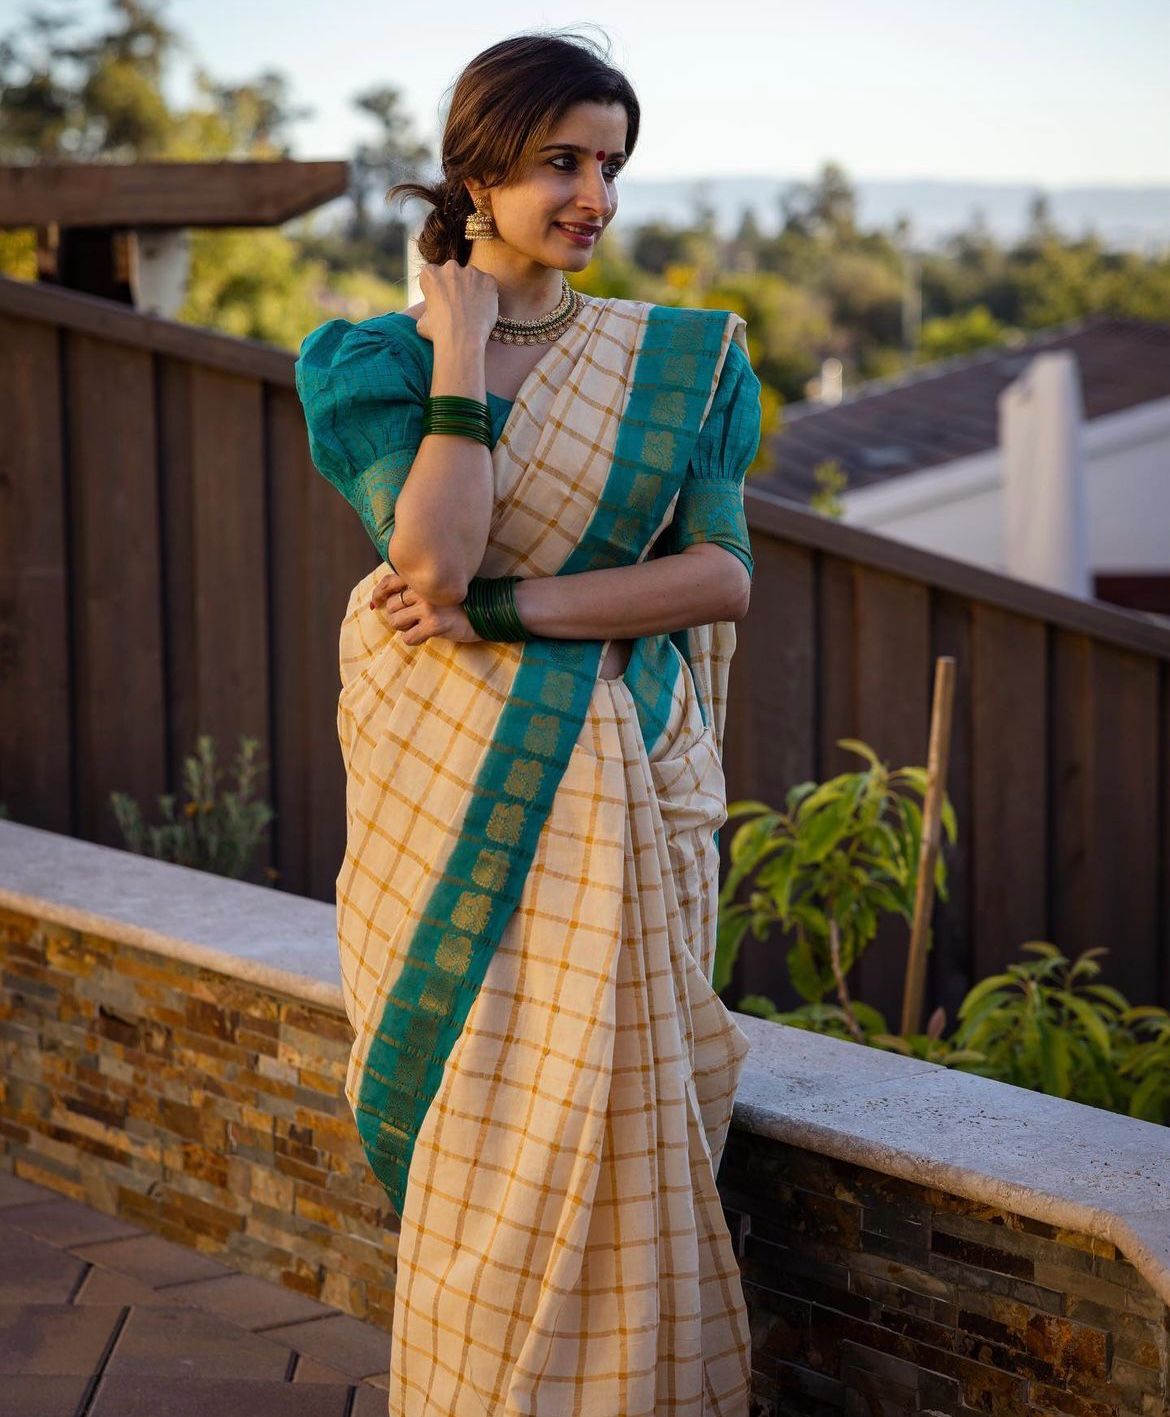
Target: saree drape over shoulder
column 542, row 1075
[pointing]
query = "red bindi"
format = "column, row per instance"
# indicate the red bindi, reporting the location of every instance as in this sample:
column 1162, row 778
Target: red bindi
column 601, row 157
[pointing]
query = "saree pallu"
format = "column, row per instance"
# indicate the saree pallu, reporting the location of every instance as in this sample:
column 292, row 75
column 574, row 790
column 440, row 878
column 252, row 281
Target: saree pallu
column 542, row 1074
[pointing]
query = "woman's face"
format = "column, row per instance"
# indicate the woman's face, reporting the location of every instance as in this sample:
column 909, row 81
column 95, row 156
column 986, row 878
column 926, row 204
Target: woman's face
column 573, row 180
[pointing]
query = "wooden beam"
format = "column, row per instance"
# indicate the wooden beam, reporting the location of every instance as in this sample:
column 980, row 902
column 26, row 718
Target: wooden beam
column 166, row 193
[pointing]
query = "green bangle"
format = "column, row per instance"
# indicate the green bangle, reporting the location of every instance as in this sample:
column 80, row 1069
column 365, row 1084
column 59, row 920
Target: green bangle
column 454, row 414
column 491, row 608
column 456, row 401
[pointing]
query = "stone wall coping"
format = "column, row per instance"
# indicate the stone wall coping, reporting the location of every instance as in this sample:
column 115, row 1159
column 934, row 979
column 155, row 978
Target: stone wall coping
column 279, row 941
column 1078, row 1167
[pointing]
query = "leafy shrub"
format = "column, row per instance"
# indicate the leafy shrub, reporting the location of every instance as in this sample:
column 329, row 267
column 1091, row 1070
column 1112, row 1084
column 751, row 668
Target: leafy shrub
column 212, row 831
column 844, row 853
column 840, row 855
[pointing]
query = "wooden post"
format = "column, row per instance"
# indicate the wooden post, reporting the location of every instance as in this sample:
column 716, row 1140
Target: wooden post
column 936, row 779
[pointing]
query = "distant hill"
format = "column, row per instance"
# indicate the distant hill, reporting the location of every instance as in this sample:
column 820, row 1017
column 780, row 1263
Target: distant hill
column 1137, row 218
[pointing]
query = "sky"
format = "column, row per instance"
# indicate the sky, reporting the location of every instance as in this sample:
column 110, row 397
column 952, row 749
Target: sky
column 1053, row 92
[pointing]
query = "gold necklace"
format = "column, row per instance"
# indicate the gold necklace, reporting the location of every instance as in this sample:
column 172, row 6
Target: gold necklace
column 547, row 327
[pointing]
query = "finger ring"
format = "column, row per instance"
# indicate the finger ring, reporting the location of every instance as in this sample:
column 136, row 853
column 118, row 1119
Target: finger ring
column 402, row 594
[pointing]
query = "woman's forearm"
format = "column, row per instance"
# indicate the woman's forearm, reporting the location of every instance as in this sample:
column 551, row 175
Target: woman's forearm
column 696, row 587
column 443, row 512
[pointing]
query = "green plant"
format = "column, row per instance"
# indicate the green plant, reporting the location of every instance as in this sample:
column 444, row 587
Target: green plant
column 213, row 831
column 847, row 850
column 842, row 853
column 1044, row 1025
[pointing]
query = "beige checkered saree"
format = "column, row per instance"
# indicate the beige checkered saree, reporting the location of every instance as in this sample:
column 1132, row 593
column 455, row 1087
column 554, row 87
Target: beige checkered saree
column 542, row 1073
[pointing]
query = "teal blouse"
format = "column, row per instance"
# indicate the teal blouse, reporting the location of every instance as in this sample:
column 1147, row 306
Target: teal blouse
column 362, row 387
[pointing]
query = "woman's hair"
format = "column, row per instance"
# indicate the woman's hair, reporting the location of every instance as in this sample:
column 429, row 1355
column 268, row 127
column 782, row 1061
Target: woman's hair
column 505, row 104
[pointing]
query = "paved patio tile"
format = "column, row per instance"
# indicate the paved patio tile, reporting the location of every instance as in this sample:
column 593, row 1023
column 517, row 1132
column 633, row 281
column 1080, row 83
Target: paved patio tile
column 181, row 1342
column 152, row 1259
column 57, row 1340
column 106, row 1286
column 341, row 1340
column 310, row 1370
column 33, row 1272
column 41, row 1396
column 15, row 1191
column 78, row 1297
column 163, row 1397
column 65, row 1223
column 369, row 1402
column 248, row 1301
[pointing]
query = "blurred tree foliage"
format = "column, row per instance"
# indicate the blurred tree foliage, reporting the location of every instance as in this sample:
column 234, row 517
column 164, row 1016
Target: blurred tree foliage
column 817, row 286
column 66, row 96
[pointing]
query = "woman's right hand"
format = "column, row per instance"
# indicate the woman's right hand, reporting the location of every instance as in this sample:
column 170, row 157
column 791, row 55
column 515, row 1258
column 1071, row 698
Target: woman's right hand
column 462, row 303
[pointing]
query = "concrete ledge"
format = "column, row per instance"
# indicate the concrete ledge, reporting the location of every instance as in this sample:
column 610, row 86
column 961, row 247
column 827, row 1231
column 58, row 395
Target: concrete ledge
column 1081, row 1168
column 1078, row 1167
column 283, row 942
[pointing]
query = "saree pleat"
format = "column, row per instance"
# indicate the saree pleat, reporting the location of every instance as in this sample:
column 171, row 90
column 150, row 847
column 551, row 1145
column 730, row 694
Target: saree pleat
column 545, row 1090
column 563, row 1248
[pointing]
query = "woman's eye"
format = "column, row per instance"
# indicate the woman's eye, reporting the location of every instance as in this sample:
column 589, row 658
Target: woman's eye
column 613, row 172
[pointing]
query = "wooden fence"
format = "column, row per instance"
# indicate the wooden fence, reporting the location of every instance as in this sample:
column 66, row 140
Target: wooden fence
column 170, row 563
column 1060, row 748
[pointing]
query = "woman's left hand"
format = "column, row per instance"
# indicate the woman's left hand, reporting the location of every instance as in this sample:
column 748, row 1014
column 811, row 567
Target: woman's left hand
column 417, row 619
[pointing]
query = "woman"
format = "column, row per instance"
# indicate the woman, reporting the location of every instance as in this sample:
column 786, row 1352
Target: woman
column 531, row 718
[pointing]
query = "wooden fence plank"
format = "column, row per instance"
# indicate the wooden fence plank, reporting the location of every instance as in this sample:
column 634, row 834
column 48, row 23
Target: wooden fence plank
column 230, row 540
column 1009, row 784
column 319, row 552
column 176, row 495
column 892, row 714
column 36, row 751
column 1161, row 834
column 115, row 581
column 836, row 666
column 769, row 739
column 1105, row 746
column 293, row 565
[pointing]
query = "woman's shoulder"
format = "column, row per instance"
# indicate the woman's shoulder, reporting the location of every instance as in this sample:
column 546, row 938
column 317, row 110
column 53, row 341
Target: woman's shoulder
column 377, row 346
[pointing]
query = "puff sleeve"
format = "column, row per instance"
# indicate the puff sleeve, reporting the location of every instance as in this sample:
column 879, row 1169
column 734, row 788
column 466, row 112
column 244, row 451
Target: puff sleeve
column 363, row 393
column 710, row 502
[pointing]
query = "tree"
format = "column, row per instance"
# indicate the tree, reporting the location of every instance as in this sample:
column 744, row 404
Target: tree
column 66, row 98
column 393, row 156
column 825, row 208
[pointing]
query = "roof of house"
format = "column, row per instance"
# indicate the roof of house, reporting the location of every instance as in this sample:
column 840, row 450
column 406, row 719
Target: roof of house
column 947, row 410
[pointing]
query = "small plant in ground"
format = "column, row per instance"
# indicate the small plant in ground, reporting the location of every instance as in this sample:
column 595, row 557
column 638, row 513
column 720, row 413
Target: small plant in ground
column 840, row 855
column 212, row 831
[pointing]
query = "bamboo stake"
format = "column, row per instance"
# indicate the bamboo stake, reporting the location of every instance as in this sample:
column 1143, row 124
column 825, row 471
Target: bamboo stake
column 936, row 778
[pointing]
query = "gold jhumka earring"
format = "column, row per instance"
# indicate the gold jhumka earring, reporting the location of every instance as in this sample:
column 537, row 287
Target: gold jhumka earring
column 480, row 225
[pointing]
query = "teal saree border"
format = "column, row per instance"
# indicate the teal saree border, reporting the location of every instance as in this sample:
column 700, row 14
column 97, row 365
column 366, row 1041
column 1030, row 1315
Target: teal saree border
column 469, row 906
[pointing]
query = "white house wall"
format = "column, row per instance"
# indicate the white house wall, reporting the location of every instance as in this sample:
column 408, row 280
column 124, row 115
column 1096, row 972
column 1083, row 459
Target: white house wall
column 957, row 508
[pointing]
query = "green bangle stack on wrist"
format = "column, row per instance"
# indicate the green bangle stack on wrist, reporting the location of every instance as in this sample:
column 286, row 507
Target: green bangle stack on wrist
column 491, row 608
column 451, row 413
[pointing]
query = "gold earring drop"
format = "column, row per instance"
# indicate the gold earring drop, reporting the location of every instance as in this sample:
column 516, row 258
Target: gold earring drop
column 480, row 225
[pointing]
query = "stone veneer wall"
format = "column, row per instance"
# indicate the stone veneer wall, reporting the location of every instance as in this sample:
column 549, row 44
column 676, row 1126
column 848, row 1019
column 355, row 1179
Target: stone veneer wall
column 201, row 1106
column 210, row 1109
column 872, row 1296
